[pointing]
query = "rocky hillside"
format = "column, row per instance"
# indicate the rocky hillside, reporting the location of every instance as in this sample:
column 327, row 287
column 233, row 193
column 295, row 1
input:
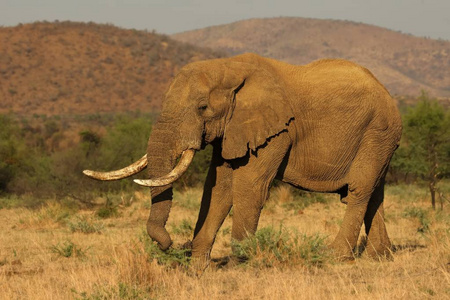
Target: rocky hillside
column 66, row 68
column 404, row 63
column 78, row 68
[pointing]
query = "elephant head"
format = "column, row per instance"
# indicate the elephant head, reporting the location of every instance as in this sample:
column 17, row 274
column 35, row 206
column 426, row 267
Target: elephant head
column 236, row 101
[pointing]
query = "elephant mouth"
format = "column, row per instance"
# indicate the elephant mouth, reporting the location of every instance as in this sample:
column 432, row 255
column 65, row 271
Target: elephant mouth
column 172, row 176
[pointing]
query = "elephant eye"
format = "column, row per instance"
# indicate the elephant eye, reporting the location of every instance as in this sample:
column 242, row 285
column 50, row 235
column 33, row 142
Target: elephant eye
column 202, row 107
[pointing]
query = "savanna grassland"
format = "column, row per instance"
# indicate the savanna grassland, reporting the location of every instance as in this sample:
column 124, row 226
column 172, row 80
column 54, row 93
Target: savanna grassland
column 65, row 251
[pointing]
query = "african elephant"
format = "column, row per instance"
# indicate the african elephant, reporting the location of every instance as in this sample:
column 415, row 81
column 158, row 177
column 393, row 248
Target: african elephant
column 328, row 126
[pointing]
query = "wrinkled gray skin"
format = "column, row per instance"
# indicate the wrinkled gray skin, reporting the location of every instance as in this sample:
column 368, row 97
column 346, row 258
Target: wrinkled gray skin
column 328, row 126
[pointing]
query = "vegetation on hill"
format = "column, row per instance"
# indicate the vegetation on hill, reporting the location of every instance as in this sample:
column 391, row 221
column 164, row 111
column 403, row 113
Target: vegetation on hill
column 84, row 68
column 404, row 63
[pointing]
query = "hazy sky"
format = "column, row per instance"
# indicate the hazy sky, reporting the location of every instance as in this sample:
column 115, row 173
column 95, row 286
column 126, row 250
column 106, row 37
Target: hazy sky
column 418, row 17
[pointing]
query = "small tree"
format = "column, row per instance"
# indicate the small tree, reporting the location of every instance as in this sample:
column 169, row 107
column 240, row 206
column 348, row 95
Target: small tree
column 9, row 133
column 427, row 134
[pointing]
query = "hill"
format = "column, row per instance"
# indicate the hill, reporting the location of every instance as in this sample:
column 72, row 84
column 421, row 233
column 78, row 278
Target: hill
column 404, row 63
column 82, row 68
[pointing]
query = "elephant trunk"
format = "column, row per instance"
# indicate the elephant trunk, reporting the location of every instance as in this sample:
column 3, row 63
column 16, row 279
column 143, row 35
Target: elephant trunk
column 159, row 214
column 161, row 156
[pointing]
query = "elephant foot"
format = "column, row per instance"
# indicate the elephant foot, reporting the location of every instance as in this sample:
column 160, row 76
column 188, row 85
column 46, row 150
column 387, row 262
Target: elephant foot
column 342, row 251
column 380, row 252
column 187, row 246
column 198, row 264
column 228, row 262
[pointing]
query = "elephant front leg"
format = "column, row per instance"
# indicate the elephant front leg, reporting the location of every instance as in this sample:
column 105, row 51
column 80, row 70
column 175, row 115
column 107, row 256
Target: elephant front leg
column 215, row 206
column 248, row 201
column 251, row 180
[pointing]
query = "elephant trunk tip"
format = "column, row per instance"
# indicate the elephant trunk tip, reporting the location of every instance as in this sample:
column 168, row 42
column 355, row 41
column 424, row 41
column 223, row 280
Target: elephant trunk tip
column 160, row 235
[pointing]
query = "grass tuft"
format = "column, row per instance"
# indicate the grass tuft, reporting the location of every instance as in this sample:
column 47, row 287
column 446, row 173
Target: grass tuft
column 52, row 214
column 422, row 215
column 270, row 247
column 69, row 249
column 184, row 229
column 122, row 291
column 83, row 225
column 109, row 210
column 172, row 257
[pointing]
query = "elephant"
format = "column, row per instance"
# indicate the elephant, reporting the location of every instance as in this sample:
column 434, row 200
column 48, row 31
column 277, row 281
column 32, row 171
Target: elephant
column 328, row 126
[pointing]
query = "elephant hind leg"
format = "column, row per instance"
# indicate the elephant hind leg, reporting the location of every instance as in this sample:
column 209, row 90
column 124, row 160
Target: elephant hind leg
column 365, row 197
column 347, row 238
column 378, row 243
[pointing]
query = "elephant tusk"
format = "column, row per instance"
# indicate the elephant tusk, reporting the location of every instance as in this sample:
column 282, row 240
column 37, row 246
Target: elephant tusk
column 132, row 169
column 181, row 167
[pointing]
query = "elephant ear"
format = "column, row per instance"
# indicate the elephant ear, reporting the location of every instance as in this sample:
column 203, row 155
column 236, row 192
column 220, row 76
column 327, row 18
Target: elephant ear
column 261, row 111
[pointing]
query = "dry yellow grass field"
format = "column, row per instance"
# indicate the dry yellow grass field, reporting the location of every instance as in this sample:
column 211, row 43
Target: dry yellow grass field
column 57, row 253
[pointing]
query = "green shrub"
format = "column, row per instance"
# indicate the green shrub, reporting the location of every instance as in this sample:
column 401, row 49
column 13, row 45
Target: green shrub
column 109, row 210
column 68, row 249
column 270, row 247
column 421, row 215
column 83, row 225
column 121, row 291
column 27, row 201
column 184, row 229
column 171, row 258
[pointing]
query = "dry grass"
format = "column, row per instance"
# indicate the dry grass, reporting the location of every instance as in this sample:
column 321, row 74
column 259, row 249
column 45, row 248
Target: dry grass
column 118, row 262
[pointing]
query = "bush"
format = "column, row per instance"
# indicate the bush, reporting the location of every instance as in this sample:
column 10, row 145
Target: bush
column 83, row 225
column 68, row 249
column 171, row 258
column 109, row 210
column 184, row 229
column 270, row 247
column 421, row 215
column 121, row 291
